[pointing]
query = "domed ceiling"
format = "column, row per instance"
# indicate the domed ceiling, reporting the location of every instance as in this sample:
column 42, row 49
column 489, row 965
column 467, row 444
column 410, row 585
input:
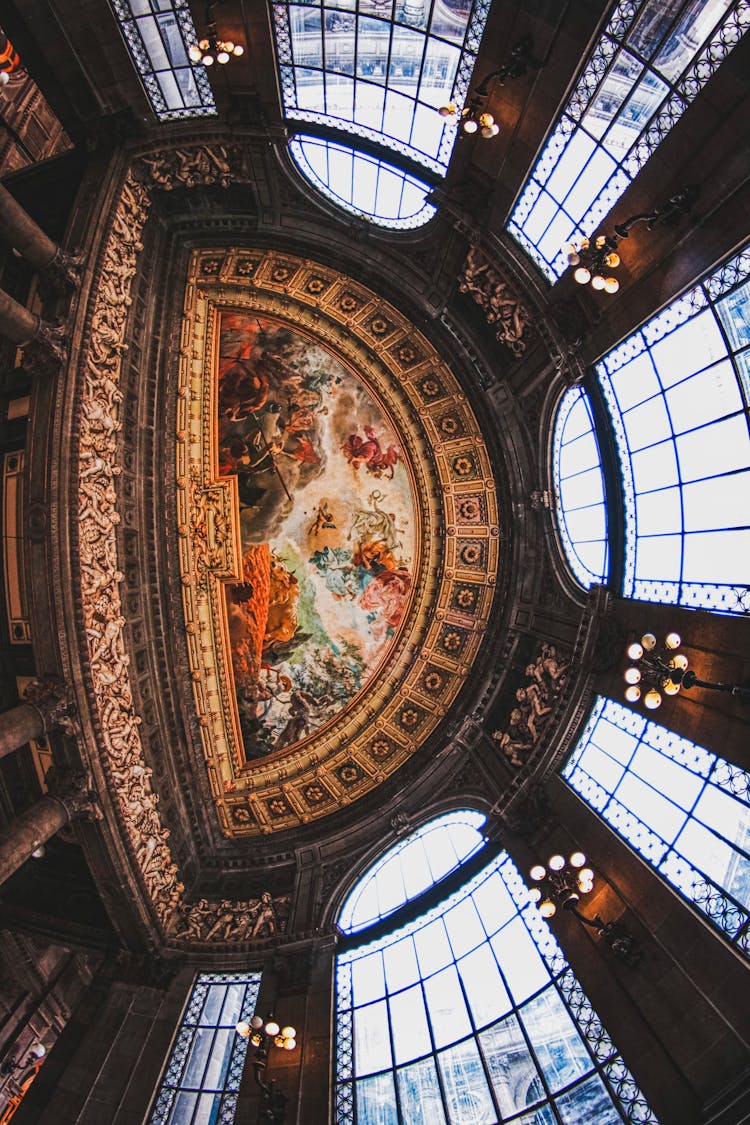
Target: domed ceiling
column 338, row 527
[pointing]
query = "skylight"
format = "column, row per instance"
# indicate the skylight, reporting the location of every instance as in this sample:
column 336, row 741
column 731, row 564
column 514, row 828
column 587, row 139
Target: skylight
column 378, row 71
column 649, row 64
column 158, row 34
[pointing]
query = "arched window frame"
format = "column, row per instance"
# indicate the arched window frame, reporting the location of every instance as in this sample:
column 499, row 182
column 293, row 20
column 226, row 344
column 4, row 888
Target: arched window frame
column 556, row 203
column 570, row 466
column 438, row 1073
column 673, row 802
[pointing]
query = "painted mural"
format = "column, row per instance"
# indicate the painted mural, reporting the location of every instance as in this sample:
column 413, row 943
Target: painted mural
column 327, row 527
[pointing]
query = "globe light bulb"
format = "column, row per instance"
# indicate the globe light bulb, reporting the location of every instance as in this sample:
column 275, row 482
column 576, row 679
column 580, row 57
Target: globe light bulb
column 272, row 1028
column 648, row 640
column 652, row 699
column 256, row 1023
column 204, row 44
column 222, row 57
column 4, row 78
column 582, row 275
column 600, row 242
column 39, row 1050
column 238, row 50
column 290, row 1044
column 195, row 53
column 673, row 640
column 279, row 1040
column 556, row 862
column 447, row 110
column 538, row 872
column 635, row 651
column 577, row 859
column 586, row 875
column 585, row 243
column 547, row 909
column 228, row 46
column 585, row 886
column 289, row 1032
column 612, row 260
column 669, row 687
column 470, row 125
column 208, row 60
column 633, row 694
column 242, row 1028
column 486, row 119
column 535, row 894
column 679, row 661
column 611, row 285
column 597, row 281
column 573, row 258
column 632, row 675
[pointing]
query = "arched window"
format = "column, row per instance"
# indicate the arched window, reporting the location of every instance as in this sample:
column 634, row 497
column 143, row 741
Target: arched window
column 684, row 810
column 469, row 1015
column 578, row 483
column 650, row 62
column 364, row 82
column 678, row 393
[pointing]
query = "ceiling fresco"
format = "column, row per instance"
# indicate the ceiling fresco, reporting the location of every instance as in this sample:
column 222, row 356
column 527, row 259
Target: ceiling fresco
column 327, row 528
column 338, row 535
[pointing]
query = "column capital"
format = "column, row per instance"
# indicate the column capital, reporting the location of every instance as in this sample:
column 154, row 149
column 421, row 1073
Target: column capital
column 47, row 350
column 64, row 271
column 55, row 703
column 72, row 788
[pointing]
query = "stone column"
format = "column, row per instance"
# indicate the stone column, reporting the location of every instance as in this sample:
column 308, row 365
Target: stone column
column 47, row 703
column 20, row 230
column 69, row 797
column 16, row 322
column 18, row 725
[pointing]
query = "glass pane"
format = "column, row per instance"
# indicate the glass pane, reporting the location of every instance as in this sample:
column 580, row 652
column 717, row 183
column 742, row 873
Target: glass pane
column 372, row 1045
column 468, row 1096
column 420, row 1094
column 559, row 1048
column 487, row 995
column 524, row 969
column 447, row 1008
column 411, row 1035
column 588, row 1104
column 513, row 1071
column 376, row 1101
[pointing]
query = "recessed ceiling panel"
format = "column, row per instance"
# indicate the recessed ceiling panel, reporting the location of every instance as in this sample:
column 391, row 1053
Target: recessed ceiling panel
column 338, row 535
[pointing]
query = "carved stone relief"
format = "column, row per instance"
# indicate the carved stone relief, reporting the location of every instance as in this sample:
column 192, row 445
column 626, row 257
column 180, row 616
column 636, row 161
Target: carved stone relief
column 504, row 311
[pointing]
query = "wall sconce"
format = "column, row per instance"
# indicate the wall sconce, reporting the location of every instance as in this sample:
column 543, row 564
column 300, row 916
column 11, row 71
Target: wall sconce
column 562, row 883
column 35, row 1052
column 594, row 259
column 665, row 670
column 472, row 117
column 211, row 49
column 265, row 1034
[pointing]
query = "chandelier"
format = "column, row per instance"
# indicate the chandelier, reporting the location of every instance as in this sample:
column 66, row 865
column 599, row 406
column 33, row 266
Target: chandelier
column 210, row 48
column 472, row 117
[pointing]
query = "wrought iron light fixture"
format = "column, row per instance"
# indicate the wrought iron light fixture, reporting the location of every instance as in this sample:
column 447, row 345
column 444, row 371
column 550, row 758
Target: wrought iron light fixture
column 562, row 883
column 35, row 1052
column 665, row 670
column 593, row 259
column 472, row 118
column 265, row 1034
column 211, row 49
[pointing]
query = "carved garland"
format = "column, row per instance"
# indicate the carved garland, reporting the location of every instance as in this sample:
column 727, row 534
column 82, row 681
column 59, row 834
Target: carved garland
column 123, row 757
